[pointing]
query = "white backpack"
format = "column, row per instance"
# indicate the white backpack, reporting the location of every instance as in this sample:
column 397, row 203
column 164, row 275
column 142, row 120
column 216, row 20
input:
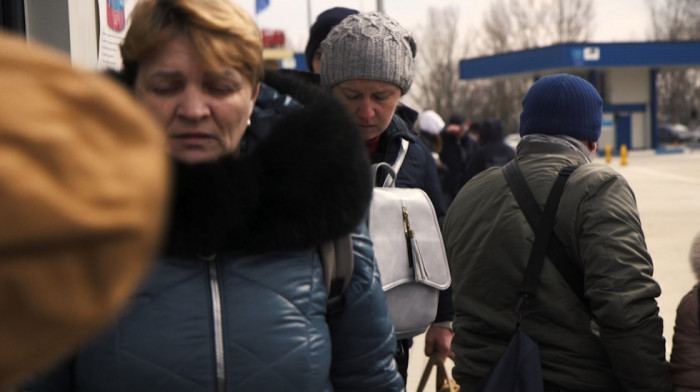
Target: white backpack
column 409, row 249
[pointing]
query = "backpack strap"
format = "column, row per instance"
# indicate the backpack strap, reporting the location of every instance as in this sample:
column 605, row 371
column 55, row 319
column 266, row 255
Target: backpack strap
column 552, row 245
column 338, row 263
column 390, row 180
column 398, row 162
column 543, row 231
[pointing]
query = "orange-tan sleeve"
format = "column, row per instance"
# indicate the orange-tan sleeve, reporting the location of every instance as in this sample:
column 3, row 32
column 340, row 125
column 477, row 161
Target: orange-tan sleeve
column 84, row 182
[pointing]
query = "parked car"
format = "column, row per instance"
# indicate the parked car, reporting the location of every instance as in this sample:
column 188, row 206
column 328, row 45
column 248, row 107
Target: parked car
column 674, row 133
column 696, row 135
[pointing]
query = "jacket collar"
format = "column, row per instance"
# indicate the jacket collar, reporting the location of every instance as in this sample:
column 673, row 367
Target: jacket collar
column 398, row 128
column 560, row 144
column 390, row 140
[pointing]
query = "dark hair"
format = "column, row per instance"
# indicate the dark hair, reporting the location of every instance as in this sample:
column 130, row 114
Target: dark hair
column 456, row 119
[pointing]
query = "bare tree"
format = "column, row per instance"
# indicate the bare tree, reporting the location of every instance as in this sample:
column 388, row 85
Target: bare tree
column 497, row 27
column 678, row 90
column 523, row 24
column 508, row 25
column 511, row 25
column 674, row 20
column 437, row 85
column 572, row 19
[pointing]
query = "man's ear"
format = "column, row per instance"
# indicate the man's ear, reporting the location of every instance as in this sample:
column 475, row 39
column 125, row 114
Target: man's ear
column 592, row 146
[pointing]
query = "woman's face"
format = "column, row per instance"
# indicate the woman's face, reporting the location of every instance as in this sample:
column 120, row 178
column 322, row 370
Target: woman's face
column 205, row 113
column 371, row 102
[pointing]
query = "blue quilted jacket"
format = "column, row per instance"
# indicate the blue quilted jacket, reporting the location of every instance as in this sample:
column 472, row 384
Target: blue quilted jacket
column 243, row 323
column 238, row 302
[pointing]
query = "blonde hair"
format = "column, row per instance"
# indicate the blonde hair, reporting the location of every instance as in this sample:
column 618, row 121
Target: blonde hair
column 695, row 255
column 220, row 30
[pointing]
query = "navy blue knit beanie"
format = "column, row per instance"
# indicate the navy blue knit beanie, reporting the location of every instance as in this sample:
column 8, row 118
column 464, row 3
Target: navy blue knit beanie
column 325, row 21
column 562, row 104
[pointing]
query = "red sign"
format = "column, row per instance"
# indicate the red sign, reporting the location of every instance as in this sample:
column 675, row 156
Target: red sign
column 273, row 38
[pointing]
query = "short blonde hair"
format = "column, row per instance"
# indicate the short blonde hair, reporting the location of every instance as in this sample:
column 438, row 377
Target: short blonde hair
column 220, row 30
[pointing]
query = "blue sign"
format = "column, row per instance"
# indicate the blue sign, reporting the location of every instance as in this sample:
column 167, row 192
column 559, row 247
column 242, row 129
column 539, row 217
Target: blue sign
column 260, row 5
column 116, row 5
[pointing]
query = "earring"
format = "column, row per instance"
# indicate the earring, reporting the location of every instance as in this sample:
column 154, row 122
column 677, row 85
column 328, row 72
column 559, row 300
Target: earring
column 248, row 123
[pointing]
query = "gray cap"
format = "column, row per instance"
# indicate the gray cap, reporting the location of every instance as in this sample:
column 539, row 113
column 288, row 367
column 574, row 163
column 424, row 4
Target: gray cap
column 368, row 46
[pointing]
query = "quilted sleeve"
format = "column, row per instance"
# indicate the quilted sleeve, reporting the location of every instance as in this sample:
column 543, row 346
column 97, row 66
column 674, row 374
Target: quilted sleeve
column 361, row 333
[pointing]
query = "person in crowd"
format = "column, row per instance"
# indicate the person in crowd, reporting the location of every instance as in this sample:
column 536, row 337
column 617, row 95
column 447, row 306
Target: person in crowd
column 237, row 302
column 612, row 343
column 474, row 131
column 492, row 150
column 83, row 184
column 685, row 355
column 367, row 63
column 325, row 21
column 429, row 126
column 458, row 147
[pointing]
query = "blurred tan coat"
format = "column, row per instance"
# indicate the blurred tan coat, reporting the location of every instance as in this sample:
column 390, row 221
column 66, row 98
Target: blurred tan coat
column 83, row 186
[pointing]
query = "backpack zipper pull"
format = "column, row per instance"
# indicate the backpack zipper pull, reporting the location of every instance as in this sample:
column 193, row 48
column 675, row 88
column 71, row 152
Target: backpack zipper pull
column 415, row 258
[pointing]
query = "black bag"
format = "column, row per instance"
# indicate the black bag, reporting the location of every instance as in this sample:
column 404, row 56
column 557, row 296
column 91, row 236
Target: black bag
column 519, row 368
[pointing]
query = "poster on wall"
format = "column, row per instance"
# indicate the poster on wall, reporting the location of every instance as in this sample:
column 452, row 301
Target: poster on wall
column 114, row 21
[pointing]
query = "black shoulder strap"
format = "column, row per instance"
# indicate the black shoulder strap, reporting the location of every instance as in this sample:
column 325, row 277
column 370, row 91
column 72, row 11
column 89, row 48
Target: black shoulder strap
column 552, row 245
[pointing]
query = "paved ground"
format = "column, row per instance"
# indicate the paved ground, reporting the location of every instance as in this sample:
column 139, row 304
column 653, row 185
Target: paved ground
column 667, row 187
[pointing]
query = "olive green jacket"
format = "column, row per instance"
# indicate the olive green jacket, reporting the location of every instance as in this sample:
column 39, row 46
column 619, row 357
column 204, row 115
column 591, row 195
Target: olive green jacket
column 616, row 346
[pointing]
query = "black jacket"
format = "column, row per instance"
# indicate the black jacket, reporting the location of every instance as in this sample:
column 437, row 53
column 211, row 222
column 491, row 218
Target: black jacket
column 456, row 153
column 492, row 150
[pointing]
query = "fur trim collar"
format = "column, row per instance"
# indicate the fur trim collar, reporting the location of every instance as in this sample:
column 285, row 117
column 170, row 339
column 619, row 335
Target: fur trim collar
column 305, row 182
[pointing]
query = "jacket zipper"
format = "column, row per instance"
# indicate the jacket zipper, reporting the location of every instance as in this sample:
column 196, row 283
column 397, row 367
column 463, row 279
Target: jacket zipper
column 217, row 318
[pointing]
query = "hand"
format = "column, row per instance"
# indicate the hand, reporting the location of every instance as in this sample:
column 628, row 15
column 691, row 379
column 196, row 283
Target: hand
column 438, row 339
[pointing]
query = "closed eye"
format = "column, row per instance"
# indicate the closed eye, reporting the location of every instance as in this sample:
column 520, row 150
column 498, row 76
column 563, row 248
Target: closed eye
column 167, row 88
column 220, row 89
column 381, row 96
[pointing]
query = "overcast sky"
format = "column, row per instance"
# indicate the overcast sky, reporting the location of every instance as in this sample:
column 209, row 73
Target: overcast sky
column 615, row 20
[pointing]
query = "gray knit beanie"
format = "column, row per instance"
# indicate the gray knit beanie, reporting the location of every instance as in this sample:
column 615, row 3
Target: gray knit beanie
column 368, row 46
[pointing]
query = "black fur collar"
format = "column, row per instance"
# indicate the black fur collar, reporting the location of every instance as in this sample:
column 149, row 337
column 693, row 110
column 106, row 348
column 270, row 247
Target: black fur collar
column 306, row 182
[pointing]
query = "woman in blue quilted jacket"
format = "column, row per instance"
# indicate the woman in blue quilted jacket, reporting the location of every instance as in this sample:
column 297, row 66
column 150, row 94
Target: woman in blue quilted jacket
column 237, row 300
